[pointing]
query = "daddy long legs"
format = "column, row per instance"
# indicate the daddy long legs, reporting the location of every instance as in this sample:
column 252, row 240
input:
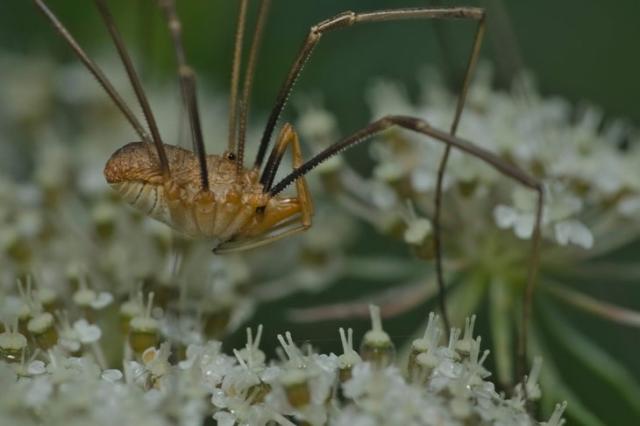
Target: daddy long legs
column 240, row 207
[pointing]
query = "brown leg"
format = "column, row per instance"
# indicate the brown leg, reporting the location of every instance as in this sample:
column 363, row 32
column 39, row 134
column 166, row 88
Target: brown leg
column 188, row 87
column 437, row 232
column 135, row 82
column 104, row 82
column 235, row 78
column 347, row 19
column 507, row 169
column 248, row 80
column 292, row 225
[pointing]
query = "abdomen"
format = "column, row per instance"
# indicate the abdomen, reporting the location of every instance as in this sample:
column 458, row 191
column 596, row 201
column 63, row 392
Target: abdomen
column 211, row 220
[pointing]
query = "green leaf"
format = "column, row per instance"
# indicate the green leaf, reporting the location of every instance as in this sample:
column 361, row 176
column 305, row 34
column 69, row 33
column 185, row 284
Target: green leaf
column 599, row 361
column 463, row 299
column 392, row 301
column 555, row 390
column 612, row 271
column 604, row 310
column 501, row 330
column 380, row 268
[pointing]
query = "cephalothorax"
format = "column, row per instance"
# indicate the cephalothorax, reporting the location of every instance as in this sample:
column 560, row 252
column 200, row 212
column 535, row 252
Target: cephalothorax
column 217, row 197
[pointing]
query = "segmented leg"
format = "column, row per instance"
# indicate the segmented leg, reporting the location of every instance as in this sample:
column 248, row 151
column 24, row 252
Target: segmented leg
column 110, row 23
column 107, row 86
column 347, row 19
column 235, row 77
column 187, row 87
column 292, row 225
column 507, row 169
column 245, row 102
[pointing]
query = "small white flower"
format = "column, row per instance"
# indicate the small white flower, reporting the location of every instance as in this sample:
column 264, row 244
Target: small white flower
column 556, row 417
column 572, row 231
column 103, row 300
column 317, row 125
column 38, row 393
column 423, row 180
column 36, row 367
column 533, row 388
column 383, row 196
column 87, row 333
column 69, row 345
column 559, row 211
column 417, row 231
column 224, row 418
column 629, row 206
column 111, row 375
column 135, row 373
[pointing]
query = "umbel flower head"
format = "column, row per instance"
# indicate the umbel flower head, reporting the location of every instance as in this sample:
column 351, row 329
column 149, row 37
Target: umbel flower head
column 443, row 384
column 590, row 171
column 127, row 319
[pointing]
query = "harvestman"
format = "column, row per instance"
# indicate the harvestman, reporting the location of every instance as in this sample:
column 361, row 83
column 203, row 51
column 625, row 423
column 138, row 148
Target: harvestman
column 216, row 197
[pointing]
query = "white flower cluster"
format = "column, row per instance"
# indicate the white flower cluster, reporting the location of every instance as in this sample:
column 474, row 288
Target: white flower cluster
column 590, row 175
column 441, row 384
column 61, row 226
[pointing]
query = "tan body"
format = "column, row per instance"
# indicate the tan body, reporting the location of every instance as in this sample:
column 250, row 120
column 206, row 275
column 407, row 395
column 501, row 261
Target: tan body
column 235, row 206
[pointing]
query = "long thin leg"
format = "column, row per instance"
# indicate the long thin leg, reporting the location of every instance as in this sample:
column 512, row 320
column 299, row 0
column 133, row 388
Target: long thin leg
column 187, row 87
column 235, row 78
column 343, row 20
column 437, row 234
column 421, row 126
column 248, row 79
column 135, row 82
column 296, row 224
column 348, row 19
column 95, row 71
column 275, row 158
column 191, row 99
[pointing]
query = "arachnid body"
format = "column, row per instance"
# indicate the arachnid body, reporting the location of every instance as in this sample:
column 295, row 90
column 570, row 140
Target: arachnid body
column 218, row 197
column 233, row 206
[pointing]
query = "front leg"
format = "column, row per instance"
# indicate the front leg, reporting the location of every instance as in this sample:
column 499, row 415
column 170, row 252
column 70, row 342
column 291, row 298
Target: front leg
column 450, row 141
column 280, row 217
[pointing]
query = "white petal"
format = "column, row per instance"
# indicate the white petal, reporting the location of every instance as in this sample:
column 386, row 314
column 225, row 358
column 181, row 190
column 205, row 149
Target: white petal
column 417, row 230
column 629, row 206
column 103, row 299
column 219, row 398
column 70, row 345
column 36, row 367
column 88, row 333
column 389, row 171
column 572, row 231
column 504, row 216
column 38, row 392
column 383, row 196
column 422, row 180
column 524, row 225
column 225, row 418
column 111, row 375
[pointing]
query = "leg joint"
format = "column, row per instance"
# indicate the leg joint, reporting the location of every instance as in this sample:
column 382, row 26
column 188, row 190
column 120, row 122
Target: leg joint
column 409, row 122
column 342, row 20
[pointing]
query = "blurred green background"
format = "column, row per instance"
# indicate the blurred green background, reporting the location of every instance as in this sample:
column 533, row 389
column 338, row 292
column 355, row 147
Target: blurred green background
column 581, row 50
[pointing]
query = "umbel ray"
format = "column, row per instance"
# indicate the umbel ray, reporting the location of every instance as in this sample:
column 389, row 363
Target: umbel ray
column 240, row 207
